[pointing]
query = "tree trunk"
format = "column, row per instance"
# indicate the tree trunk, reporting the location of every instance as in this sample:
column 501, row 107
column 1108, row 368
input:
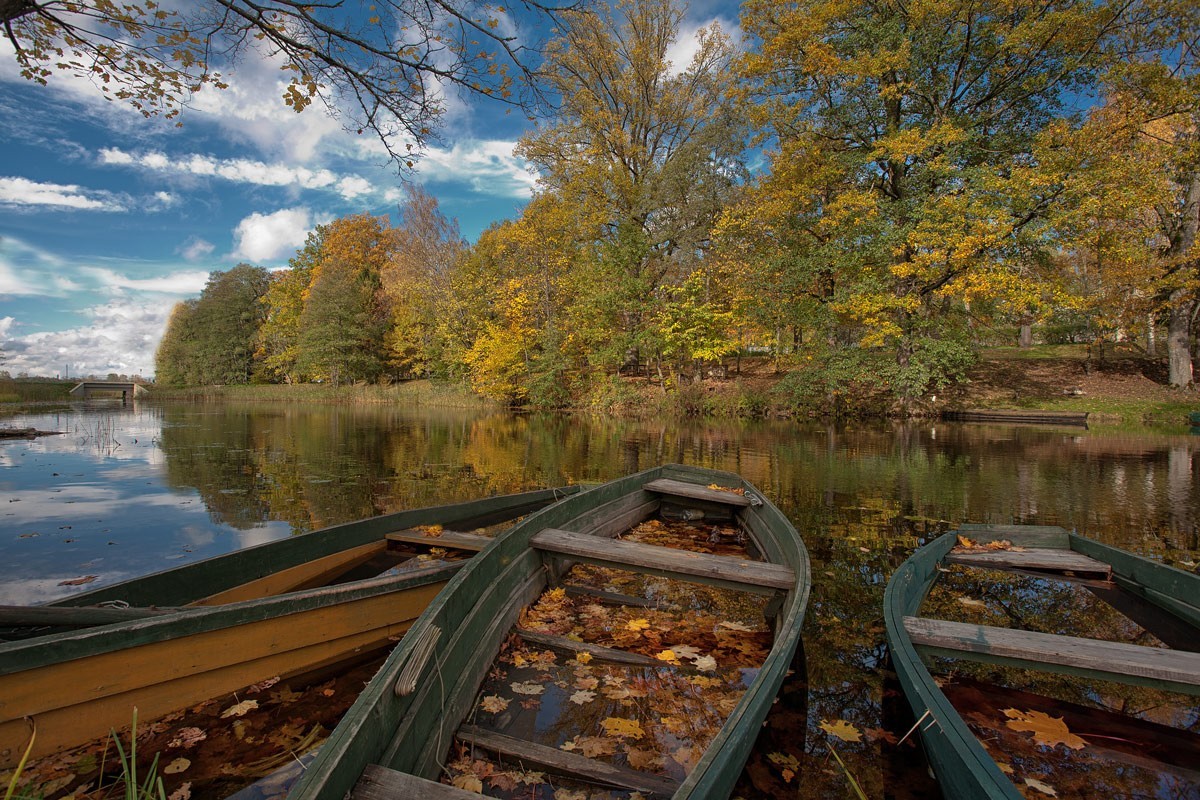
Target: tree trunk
column 1151, row 341
column 1179, row 345
column 1026, row 336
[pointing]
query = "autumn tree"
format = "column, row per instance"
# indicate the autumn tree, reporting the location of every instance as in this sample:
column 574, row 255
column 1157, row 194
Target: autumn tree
column 416, row 280
column 277, row 346
column 915, row 124
column 344, row 319
column 647, row 147
column 383, row 66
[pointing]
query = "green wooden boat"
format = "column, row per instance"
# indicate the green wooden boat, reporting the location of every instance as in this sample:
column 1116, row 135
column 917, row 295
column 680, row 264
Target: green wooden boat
column 276, row 609
column 1161, row 598
column 392, row 740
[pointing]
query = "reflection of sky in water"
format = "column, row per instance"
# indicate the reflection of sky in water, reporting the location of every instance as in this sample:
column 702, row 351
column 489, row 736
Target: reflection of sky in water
column 94, row 501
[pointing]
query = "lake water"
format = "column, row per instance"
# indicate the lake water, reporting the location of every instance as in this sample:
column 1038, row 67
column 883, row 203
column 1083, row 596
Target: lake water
column 129, row 490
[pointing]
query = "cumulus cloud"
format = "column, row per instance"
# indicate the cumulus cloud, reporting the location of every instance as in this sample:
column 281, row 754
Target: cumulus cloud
column 120, row 336
column 266, row 237
column 23, row 192
column 241, row 170
column 687, row 43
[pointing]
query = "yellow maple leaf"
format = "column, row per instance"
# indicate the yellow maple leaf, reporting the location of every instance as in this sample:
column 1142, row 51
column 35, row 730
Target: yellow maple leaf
column 963, row 541
column 627, row 728
column 668, row 656
column 493, row 704
column 842, row 730
column 637, row 624
column 1046, row 730
column 468, row 783
column 583, row 658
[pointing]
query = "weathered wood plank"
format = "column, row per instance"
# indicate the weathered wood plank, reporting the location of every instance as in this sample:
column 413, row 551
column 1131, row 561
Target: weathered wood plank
column 1020, row 535
column 1117, row 661
column 611, row 598
column 309, row 575
column 551, row 759
column 1041, row 558
column 696, row 492
column 598, row 651
column 449, row 539
column 68, row 617
column 682, row 564
column 381, row 783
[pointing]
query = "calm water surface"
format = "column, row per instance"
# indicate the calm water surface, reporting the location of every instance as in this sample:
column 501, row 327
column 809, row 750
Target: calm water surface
column 126, row 491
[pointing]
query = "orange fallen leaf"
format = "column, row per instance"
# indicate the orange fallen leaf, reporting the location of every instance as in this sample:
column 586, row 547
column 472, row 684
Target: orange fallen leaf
column 1047, row 730
column 493, row 704
column 78, row 581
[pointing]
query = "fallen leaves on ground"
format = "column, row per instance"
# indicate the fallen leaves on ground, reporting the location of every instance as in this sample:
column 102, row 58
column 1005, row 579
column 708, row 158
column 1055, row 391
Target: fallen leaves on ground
column 1034, row 783
column 239, row 709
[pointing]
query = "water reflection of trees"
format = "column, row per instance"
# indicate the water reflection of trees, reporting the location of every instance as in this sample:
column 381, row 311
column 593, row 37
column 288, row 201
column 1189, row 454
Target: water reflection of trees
column 862, row 496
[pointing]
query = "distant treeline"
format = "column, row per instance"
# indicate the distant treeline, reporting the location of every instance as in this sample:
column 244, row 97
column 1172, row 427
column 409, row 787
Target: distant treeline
column 867, row 195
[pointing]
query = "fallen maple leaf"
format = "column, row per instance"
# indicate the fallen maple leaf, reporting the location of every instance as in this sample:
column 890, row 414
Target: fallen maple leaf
column 705, row 663
column 562, row 793
column 1034, row 783
column 262, row 686
column 493, row 704
column 583, row 696
column 629, row 728
column 184, row 792
column 239, row 709
column 963, row 541
column 583, row 658
column 643, row 759
column 468, row 783
column 735, row 626
column 637, row 624
column 187, row 737
column 592, row 746
column 842, row 730
column 668, row 656
column 528, row 688
column 1046, row 730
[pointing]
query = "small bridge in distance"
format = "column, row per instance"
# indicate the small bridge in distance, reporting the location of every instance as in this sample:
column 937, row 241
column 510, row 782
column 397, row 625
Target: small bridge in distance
column 128, row 389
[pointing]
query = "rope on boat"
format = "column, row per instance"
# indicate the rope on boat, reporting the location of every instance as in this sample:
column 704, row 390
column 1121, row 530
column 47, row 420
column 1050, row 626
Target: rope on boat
column 427, row 640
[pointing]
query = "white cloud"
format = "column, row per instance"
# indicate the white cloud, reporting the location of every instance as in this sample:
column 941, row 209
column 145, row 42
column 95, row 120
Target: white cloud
column 26, row 270
column 24, row 192
column 195, row 248
column 189, row 282
column 120, row 337
column 266, row 237
column 687, row 43
column 488, row 166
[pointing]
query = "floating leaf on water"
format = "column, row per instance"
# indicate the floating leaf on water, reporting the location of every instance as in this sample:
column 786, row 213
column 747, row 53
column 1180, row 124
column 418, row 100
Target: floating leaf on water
column 627, row 728
column 239, row 709
column 528, row 688
column 493, row 704
column 583, row 696
column 184, row 792
column 842, row 730
column 971, row 602
column 1034, row 783
column 705, row 663
column 1046, row 730
column 78, row 581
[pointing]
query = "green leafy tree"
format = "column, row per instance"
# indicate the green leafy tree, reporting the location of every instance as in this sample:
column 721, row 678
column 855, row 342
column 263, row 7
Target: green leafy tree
column 344, row 320
column 225, row 325
column 174, row 360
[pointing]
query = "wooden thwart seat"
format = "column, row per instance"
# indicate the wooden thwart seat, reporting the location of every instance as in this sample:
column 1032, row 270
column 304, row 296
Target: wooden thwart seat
column 448, row 539
column 596, row 650
column 1039, row 558
column 551, row 759
column 1125, row 663
column 695, row 492
column 381, row 783
column 737, row 573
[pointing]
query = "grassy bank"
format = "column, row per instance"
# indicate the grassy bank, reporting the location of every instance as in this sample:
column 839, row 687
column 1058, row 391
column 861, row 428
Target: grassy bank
column 421, row 393
column 34, row 390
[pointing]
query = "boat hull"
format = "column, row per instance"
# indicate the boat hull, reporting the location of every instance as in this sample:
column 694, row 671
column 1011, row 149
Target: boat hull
column 451, row 647
column 78, row 685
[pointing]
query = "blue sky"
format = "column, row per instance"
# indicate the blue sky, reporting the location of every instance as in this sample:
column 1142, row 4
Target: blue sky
column 107, row 219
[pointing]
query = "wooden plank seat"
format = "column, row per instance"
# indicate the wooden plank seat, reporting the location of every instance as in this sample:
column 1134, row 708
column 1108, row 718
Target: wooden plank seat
column 595, row 650
column 1125, row 663
column 1046, row 559
column 551, row 759
column 448, row 539
column 693, row 491
column 737, row 573
column 381, row 783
